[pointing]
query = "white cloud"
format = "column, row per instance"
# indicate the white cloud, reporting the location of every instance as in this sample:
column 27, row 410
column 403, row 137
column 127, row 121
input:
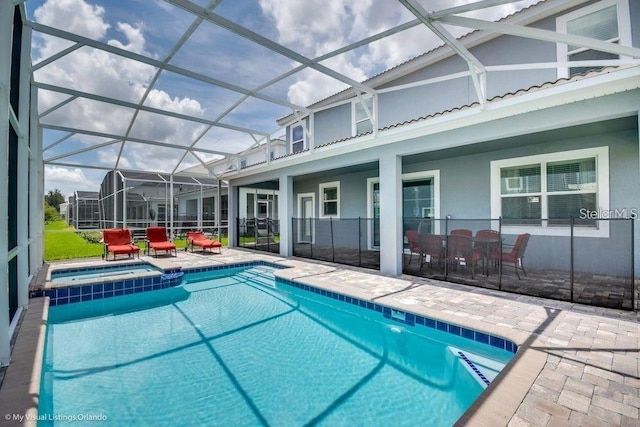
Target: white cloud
column 68, row 180
column 95, row 71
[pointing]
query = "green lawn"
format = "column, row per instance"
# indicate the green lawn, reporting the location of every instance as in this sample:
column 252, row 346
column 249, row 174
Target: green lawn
column 63, row 242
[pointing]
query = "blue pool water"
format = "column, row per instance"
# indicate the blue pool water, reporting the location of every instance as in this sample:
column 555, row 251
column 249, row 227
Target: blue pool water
column 115, row 272
column 237, row 348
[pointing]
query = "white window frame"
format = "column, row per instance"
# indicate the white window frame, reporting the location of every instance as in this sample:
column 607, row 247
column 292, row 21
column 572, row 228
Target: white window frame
column 243, row 163
column 321, row 188
column 601, row 155
column 304, row 138
column 413, row 176
column 354, row 122
column 313, row 223
column 624, row 27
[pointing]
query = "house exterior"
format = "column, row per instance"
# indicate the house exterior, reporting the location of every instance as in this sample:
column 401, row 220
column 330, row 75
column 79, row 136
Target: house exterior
column 512, row 133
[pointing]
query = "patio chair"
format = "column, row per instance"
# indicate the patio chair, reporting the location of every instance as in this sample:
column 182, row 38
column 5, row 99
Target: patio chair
column 516, row 255
column 461, row 232
column 118, row 241
column 431, row 244
column 413, row 241
column 158, row 241
column 197, row 238
column 460, row 251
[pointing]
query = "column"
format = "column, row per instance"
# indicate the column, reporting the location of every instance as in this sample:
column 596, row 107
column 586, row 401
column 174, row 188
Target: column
column 23, row 169
column 391, row 215
column 285, row 214
column 6, row 33
column 233, row 214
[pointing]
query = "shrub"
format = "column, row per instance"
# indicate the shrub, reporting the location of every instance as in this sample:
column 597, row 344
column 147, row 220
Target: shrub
column 91, row 236
column 50, row 213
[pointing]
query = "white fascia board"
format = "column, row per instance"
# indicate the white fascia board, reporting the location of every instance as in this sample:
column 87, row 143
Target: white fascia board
column 608, row 84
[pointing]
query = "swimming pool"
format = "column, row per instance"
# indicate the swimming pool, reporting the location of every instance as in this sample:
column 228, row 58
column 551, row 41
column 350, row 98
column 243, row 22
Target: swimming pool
column 236, row 347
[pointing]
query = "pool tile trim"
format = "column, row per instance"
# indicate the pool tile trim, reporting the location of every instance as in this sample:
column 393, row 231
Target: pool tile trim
column 410, row 319
column 111, row 288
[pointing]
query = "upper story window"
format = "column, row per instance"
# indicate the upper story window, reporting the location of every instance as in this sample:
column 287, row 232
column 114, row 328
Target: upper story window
column 543, row 192
column 272, row 155
column 330, row 199
column 361, row 122
column 606, row 20
column 243, row 163
column 297, row 139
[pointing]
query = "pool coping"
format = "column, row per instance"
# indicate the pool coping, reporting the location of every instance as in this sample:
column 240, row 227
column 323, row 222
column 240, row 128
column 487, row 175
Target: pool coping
column 497, row 405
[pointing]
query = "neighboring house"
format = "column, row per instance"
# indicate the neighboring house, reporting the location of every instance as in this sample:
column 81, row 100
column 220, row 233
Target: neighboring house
column 197, row 203
column 83, row 210
column 511, row 130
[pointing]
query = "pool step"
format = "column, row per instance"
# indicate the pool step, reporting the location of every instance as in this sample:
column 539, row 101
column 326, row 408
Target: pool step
column 258, row 277
column 484, row 370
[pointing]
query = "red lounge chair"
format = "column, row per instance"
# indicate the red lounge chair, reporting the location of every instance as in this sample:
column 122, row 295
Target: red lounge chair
column 197, row 238
column 157, row 240
column 118, row 241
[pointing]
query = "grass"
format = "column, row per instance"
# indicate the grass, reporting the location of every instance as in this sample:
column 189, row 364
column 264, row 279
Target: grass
column 64, row 242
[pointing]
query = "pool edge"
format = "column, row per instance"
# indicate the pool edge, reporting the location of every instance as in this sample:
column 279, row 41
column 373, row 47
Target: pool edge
column 20, row 391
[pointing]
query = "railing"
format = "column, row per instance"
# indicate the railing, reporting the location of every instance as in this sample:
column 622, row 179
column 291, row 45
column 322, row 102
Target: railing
column 588, row 261
column 350, row 241
column 261, row 234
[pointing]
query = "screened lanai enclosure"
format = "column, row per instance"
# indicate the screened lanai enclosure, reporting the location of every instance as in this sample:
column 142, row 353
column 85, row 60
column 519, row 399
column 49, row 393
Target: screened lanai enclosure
column 83, row 210
column 137, row 200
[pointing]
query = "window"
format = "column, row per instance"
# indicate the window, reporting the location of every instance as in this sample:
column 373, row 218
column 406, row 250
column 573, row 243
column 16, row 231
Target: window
column 361, row 122
column 272, row 155
column 330, row 200
column 607, row 20
column 297, row 139
column 545, row 191
column 243, row 163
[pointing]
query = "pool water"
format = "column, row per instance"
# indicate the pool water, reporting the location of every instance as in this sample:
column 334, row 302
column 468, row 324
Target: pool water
column 121, row 271
column 224, row 349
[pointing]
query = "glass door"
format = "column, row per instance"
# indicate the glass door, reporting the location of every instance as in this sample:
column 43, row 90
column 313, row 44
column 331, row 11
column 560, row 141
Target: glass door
column 418, row 205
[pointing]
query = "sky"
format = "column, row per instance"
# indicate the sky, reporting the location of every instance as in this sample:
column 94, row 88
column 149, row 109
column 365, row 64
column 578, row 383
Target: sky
column 154, row 27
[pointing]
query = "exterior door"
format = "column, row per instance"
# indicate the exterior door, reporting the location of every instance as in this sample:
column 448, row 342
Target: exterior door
column 305, row 215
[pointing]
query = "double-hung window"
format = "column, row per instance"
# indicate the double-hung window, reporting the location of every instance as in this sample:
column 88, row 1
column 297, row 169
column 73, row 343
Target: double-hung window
column 330, row 199
column 606, row 20
column 297, row 139
column 362, row 123
column 545, row 191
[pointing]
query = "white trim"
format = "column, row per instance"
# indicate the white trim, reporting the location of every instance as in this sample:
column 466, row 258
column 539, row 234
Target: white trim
column 301, row 196
column 321, row 188
column 370, row 182
column 406, row 177
column 601, row 155
column 370, row 114
column 304, row 137
column 624, row 27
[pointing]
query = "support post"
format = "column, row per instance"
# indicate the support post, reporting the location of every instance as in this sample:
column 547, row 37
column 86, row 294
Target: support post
column 6, row 35
column 391, row 238
column 23, row 170
column 285, row 211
